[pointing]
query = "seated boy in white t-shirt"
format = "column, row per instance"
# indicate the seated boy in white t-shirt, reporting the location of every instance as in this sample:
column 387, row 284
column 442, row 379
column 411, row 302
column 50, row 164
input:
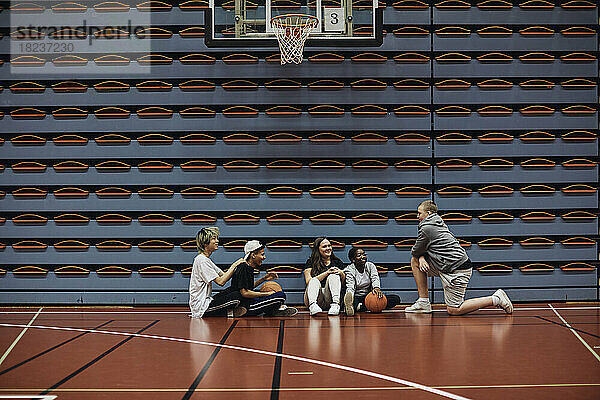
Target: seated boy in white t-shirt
column 204, row 272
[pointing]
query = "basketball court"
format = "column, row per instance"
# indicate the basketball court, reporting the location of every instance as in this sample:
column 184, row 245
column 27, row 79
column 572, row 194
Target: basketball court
column 542, row 351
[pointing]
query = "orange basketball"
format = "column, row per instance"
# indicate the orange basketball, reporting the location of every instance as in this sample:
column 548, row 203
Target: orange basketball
column 375, row 304
column 271, row 286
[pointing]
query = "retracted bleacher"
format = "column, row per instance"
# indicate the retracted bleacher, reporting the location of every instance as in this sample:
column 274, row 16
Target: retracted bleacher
column 114, row 157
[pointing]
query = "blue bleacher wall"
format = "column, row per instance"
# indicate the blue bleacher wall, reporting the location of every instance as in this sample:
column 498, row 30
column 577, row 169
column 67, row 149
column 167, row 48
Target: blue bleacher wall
column 108, row 170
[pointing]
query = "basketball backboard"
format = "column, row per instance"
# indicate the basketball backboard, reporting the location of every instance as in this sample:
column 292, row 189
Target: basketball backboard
column 233, row 23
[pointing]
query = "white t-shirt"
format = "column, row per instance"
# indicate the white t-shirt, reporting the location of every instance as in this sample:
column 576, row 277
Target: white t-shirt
column 363, row 283
column 204, row 271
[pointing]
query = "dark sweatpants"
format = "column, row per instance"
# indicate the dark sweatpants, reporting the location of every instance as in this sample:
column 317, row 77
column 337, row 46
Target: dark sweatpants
column 264, row 305
column 223, row 301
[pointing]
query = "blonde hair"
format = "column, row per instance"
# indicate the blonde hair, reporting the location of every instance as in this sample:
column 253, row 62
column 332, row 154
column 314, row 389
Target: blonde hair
column 204, row 236
column 429, row 205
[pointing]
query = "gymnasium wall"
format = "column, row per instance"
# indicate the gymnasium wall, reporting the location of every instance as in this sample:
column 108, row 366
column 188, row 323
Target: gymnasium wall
column 115, row 156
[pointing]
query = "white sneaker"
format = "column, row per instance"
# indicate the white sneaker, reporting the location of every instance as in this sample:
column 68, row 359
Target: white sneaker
column 334, row 309
column 349, row 304
column 421, row 307
column 315, row 309
column 505, row 302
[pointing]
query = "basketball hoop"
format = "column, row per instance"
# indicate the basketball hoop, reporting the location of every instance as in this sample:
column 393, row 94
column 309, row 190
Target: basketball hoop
column 291, row 31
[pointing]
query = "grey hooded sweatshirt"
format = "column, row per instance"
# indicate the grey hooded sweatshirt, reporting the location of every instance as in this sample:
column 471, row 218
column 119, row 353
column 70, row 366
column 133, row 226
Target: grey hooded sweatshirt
column 439, row 247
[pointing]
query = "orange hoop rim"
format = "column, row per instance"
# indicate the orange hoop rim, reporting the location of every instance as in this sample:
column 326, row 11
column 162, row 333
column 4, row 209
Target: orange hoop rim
column 279, row 20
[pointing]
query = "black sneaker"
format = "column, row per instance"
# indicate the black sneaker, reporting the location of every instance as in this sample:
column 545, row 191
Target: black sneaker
column 239, row 311
column 287, row 312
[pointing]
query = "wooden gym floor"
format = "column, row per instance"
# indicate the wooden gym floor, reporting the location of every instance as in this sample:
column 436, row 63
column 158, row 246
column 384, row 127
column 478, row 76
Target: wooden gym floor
column 542, row 351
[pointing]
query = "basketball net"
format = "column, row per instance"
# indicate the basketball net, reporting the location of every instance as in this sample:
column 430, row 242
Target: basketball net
column 291, row 31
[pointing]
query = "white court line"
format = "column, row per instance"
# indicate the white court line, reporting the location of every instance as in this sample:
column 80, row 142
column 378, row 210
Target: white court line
column 299, row 312
column 264, row 352
column 14, row 343
column 575, row 333
column 33, row 396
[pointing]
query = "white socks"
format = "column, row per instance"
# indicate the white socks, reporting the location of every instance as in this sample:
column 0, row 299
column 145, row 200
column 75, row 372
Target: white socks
column 423, row 300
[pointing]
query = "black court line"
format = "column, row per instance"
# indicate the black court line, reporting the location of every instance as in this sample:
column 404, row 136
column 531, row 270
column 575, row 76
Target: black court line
column 52, row 348
column 569, row 327
column 44, row 319
column 395, row 316
column 411, row 325
column 209, row 362
column 277, row 368
column 95, row 360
